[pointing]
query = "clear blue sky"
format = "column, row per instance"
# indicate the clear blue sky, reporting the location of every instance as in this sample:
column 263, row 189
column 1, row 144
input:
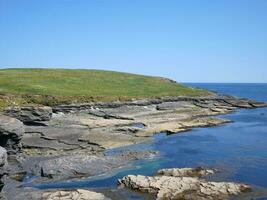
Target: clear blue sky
column 189, row 40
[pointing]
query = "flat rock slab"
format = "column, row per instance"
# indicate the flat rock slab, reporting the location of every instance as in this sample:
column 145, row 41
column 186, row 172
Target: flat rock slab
column 76, row 166
column 79, row 194
column 56, row 194
column 109, row 126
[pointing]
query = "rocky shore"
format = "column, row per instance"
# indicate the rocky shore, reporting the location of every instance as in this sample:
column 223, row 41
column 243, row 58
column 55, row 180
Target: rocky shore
column 69, row 141
column 183, row 184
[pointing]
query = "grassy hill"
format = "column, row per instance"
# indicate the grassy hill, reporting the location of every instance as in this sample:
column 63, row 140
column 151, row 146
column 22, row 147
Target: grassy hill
column 50, row 86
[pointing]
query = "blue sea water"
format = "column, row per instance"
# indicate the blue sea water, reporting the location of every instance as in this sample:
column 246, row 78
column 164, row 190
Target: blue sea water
column 238, row 149
column 257, row 91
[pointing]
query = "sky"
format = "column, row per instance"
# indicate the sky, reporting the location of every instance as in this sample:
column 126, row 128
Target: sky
column 186, row 40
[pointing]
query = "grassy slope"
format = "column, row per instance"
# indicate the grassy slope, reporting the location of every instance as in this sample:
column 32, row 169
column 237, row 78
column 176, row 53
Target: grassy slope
column 84, row 85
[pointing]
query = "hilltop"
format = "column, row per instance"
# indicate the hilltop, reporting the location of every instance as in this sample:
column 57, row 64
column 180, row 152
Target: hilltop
column 54, row 86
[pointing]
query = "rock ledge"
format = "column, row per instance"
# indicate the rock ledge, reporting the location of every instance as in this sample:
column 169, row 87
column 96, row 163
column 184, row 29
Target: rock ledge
column 171, row 185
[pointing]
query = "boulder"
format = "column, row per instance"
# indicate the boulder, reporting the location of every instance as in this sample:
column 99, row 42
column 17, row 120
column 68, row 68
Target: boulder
column 11, row 132
column 3, row 164
column 3, row 157
column 30, row 114
column 177, row 187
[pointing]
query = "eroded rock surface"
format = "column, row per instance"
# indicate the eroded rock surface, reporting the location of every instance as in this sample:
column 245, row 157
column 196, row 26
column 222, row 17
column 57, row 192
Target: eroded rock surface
column 30, row 114
column 11, row 132
column 94, row 127
column 56, row 194
column 76, row 166
column 3, row 157
column 3, row 164
column 70, row 142
column 177, row 187
column 79, row 194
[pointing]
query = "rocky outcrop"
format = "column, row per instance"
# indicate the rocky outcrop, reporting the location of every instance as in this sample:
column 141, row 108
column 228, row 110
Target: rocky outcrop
column 3, row 164
column 3, row 157
column 186, row 172
column 93, row 127
column 221, row 101
column 11, row 132
column 177, row 187
column 21, row 193
column 78, row 194
column 76, row 166
column 30, row 114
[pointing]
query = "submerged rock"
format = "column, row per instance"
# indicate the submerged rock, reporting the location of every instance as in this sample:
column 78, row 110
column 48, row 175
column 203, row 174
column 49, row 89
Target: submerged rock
column 30, row 114
column 11, row 132
column 186, row 172
column 172, row 186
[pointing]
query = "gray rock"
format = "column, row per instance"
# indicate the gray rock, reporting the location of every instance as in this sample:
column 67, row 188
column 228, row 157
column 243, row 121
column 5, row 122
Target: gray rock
column 11, row 132
column 3, row 157
column 3, row 164
column 21, row 193
column 13, row 191
column 222, row 100
column 188, row 188
column 137, row 155
column 79, row 194
column 100, row 113
column 75, row 166
column 173, row 105
column 30, row 114
column 93, row 127
column 186, row 172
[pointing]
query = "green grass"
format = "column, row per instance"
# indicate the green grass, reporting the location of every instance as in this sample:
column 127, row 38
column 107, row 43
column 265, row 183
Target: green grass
column 52, row 86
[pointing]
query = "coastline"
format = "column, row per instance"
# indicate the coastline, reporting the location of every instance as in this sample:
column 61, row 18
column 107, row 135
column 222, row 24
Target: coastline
column 96, row 127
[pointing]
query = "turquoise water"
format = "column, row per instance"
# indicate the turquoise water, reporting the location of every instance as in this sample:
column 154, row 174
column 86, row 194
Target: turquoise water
column 238, row 150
